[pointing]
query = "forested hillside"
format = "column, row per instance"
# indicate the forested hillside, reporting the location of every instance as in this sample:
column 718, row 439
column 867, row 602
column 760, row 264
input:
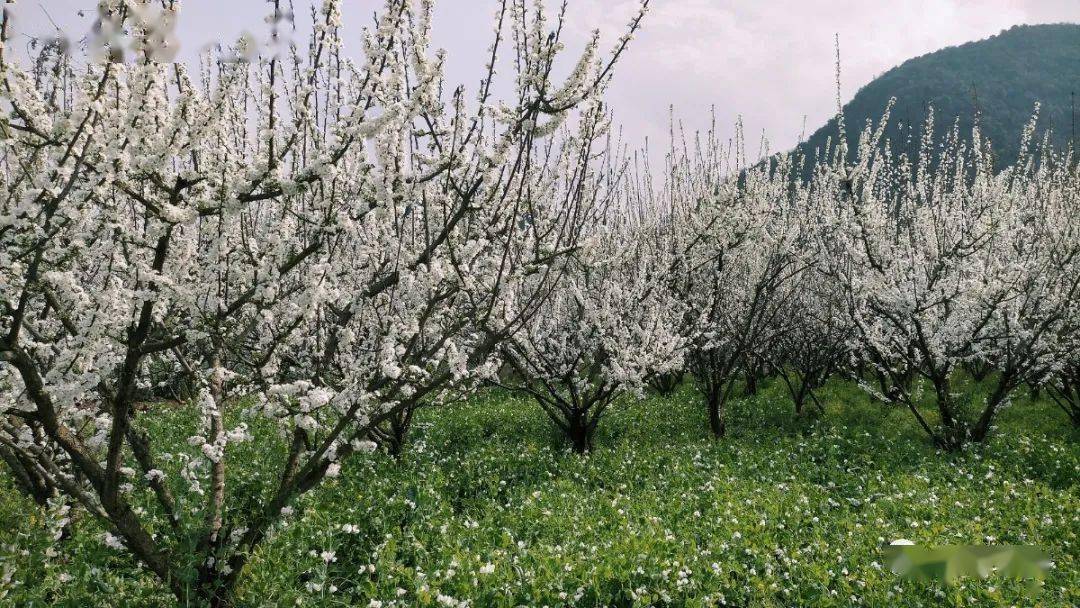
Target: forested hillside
column 999, row 79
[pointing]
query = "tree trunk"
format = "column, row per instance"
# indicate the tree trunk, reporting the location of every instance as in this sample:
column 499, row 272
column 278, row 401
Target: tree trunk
column 986, row 420
column 581, row 434
column 398, row 432
column 953, row 437
column 755, row 374
column 954, row 430
column 885, row 385
column 715, row 400
column 665, row 384
column 1064, row 391
column 27, row 479
column 1036, row 390
column 978, row 370
column 751, row 384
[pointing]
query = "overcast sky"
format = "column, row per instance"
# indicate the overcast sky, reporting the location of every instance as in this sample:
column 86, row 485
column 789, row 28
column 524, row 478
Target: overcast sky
column 770, row 61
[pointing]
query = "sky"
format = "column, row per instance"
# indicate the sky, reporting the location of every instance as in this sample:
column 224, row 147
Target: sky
column 769, row 62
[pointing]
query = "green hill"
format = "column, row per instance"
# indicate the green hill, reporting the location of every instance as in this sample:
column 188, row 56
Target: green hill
column 1000, row 79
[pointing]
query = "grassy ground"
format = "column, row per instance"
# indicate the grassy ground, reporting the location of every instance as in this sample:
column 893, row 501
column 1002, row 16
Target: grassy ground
column 487, row 506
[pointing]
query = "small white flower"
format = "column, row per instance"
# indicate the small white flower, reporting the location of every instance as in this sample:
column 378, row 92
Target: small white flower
column 365, row 446
column 112, row 542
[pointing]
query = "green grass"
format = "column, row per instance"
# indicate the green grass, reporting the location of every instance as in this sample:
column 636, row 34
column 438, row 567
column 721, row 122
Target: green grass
column 782, row 512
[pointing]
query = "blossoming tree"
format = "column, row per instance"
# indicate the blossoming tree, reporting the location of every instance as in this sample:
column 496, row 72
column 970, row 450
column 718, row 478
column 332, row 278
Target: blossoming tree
column 954, row 265
column 610, row 327
column 313, row 240
column 741, row 254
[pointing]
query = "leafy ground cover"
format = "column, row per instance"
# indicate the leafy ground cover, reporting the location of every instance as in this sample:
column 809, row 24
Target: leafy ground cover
column 488, row 508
